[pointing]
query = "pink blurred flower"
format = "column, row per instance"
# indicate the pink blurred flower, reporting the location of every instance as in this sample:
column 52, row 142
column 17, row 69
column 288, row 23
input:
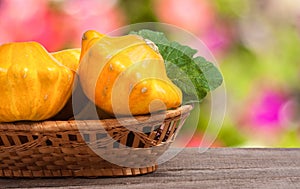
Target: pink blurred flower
column 20, row 19
column 218, row 38
column 199, row 17
column 100, row 15
column 30, row 20
column 56, row 24
column 264, row 112
column 193, row 15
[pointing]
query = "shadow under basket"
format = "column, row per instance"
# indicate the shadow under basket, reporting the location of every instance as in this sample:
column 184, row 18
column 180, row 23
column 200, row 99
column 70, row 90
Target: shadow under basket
column 88, row 148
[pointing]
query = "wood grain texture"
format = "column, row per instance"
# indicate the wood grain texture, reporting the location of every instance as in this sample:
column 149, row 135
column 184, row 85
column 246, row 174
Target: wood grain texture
column 215, row 168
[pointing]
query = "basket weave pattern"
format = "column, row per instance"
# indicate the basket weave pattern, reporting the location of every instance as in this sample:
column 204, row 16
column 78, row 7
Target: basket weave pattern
column 67, row 148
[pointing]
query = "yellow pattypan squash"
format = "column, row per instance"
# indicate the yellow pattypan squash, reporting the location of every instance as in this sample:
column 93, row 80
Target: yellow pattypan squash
column 125, row 75
column 68, row 57
column 33, row 84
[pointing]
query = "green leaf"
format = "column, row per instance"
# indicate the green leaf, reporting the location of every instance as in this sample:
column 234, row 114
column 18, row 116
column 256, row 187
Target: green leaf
column 195, row 76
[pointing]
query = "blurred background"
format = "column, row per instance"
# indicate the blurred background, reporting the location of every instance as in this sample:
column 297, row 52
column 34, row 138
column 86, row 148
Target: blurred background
column 256, row 44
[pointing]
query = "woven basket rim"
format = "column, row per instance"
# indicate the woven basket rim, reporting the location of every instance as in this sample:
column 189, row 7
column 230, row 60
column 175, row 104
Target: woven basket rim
column 59, row 148
column 47, row 126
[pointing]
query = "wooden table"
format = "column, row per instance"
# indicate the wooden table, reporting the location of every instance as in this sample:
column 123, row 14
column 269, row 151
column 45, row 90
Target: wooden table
column 215, row 168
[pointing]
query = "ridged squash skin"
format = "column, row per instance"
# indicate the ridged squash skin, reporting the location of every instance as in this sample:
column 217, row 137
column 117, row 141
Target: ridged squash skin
column 125, row 75
column 68, row 57
column 34, row 85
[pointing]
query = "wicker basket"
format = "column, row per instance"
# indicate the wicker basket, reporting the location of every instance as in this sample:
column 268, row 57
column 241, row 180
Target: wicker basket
column 69, row 148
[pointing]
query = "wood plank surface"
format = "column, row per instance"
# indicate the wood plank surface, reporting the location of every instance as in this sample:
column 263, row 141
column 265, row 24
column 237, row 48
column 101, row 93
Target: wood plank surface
column 215, row 168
